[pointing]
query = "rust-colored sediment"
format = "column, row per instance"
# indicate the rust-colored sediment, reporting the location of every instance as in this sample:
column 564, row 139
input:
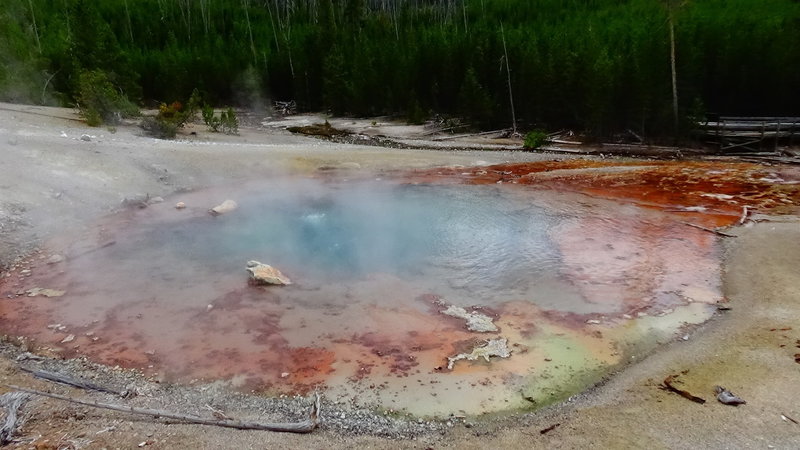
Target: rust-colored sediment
column 723, row 188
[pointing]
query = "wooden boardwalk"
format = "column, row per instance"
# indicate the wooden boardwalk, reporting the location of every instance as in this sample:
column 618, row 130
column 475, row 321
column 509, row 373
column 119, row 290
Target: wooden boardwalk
column 751, row 133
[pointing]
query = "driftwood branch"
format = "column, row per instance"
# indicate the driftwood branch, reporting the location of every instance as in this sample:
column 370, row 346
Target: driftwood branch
column 70, row 381
column 745, row 213
column 12, row 402
column 668, row 386
column 710, row 230
column 305, row 426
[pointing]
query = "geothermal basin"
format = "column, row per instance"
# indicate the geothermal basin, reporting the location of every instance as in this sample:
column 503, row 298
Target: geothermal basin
column 565, row 278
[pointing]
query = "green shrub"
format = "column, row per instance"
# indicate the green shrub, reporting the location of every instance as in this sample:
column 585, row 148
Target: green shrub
column 415, row 115
column 212, row 122
column 230, row 123
column 227, row 121
column 159, row 128
column 535, row 139
column 100, row 102
column 171, row 117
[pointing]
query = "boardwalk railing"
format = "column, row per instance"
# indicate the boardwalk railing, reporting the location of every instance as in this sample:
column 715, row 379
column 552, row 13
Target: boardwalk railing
column 750, row 133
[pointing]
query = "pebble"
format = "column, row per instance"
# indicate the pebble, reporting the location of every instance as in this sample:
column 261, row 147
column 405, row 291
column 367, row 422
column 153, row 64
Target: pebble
column 69, row 338
column 180, row 205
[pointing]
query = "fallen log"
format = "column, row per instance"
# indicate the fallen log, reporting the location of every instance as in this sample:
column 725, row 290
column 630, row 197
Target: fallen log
column 70, row 381
column 305, row 426
column 710, row 230
column 482, row 133
column 12, row 402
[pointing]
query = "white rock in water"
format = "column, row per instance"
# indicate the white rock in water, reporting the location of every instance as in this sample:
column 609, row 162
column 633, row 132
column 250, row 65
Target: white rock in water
column 224, row 207
column 55, row 259
column 493, row 347
column 86, row 137
column 180, row 205
column 475, row 320
column 35, row 292
column 261, row 273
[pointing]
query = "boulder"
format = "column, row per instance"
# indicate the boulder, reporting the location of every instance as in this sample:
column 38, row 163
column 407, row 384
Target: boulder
column 261, row 273
column 223, row 208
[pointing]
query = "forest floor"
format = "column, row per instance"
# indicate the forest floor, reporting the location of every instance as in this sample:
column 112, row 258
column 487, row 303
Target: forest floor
column 52, row 180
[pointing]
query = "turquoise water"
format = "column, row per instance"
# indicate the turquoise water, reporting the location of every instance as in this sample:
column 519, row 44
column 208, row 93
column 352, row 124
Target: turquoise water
column 471, row 238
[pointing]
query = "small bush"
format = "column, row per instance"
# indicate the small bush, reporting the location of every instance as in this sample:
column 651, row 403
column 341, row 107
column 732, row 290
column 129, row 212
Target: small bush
column 171, row 117
column 212, row 122
column 100, row 102
column 159, row 128
column 535, row 139
column 415, row 114
column 227, row 120
column 230, row 123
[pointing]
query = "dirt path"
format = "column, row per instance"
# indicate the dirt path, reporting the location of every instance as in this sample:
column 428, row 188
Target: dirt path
column 50, row 182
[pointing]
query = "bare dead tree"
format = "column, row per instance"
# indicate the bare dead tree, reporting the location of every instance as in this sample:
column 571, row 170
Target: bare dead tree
column 128, row 17
column 205, row 14
column 274, row 28
column 35, row 28
column 673, row 68
column 246, row 8
column 508, row 75
column 185, row 7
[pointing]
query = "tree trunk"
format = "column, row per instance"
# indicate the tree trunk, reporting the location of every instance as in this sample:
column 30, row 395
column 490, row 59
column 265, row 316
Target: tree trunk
column 35, row 28
column 508, row 74
column 674, row 70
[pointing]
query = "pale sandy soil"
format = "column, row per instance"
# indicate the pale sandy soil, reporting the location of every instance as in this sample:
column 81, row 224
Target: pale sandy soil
column 50, row 183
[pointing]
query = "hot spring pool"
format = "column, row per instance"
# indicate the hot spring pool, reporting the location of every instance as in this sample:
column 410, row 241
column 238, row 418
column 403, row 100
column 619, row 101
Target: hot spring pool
column 574, row 285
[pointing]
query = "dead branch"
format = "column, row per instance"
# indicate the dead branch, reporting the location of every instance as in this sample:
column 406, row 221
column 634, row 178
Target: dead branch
column 745, row 213
column 549, row 429
column 790, row 419
column 639, row 138
column 70, row 381
column 305, row 426
column 710, row 230
column 12, row 402
column 668, row 386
